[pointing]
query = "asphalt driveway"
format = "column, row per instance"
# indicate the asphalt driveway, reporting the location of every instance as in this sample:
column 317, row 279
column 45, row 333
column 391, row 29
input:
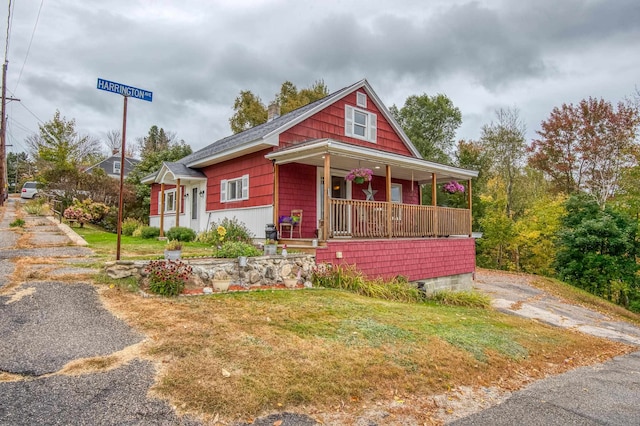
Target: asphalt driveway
column 46, row 324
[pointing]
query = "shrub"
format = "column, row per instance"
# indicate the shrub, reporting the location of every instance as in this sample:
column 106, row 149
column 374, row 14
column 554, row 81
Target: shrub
column 167, row 277
column 129, row 225
column 17, row 223
column 181, row 233
column 138, row 232
column 233, row 249
column 76, row 213
column 226, row 230
column 148, row 232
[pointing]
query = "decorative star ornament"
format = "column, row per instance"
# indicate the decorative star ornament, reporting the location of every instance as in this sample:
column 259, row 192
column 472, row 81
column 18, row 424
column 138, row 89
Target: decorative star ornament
column 369, row 193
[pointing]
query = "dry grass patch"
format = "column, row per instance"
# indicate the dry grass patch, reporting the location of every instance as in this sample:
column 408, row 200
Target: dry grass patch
column 240, row 355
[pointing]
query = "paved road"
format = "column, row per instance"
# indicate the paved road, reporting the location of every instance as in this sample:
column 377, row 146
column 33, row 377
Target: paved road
column 45, row 324
column 603, row 394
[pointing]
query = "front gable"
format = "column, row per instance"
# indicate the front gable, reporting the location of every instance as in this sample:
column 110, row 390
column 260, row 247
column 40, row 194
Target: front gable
column 356, row 118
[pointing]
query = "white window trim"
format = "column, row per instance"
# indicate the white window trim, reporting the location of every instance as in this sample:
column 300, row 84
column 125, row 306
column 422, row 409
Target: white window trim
column 397, row 214
column 397, row 185
column 361, row 99
column 224, row 189
column 371, row 128
column 116, row 170
column 166, row 199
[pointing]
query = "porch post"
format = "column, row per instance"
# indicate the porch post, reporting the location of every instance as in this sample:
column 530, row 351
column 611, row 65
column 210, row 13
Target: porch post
column 434, row 203
column 162, row 210
column 327, row 187
column 470, row 208
column 178, row 201
column 389, row 206
column 276, row 194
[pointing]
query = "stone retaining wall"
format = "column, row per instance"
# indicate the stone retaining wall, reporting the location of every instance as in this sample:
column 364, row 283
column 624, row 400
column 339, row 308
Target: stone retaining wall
column 262, row 270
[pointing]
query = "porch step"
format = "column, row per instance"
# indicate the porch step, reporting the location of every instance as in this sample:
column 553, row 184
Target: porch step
column 301, row 245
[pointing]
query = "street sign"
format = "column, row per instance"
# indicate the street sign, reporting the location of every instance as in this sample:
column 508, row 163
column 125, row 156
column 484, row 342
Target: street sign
column 124, row 90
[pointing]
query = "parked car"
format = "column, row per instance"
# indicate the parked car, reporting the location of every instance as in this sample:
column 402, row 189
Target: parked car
column 29, row 190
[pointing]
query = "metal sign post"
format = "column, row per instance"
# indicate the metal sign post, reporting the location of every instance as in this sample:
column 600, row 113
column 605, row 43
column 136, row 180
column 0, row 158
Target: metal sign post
column 126, row 92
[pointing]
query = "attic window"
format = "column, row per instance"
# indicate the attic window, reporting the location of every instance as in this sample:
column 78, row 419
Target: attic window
column 116, row 167
column 361, row 99
column 360, row 124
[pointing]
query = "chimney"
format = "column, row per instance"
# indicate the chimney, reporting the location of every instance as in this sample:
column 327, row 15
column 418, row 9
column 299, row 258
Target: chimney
column 115, row 151
column 273, row 111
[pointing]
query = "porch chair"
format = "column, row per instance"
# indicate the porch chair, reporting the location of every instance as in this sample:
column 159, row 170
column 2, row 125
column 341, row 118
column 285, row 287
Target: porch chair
column 296, row 221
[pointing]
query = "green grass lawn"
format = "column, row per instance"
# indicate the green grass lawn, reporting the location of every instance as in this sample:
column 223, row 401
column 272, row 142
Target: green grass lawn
column 104, row 243
column 242, row 354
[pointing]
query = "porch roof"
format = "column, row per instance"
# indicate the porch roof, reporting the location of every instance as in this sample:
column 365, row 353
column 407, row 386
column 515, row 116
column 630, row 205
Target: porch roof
column 171, row 172
column 347, row 156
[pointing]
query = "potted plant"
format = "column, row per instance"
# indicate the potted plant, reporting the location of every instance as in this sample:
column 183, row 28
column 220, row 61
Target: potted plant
column 173, row 250
column 452, row 187
column 221, row 281
column 360, row 175
column 270, row 247
column 290, row 282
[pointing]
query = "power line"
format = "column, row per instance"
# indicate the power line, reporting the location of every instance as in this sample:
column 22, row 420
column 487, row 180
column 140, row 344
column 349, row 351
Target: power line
column 29, row 48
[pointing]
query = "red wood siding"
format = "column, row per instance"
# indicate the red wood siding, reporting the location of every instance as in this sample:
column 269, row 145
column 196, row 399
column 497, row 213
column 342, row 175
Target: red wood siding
column 260, row 171
column 414, row 259
column 379, row 183
column 329, row 123
column 155, row 197
column 298, row 191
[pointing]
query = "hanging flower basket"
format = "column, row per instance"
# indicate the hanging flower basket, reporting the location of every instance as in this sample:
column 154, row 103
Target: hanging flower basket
column 452, row 187
column 360, row 175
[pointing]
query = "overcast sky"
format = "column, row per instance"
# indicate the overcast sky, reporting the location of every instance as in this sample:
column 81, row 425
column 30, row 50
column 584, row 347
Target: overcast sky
column 196, row 56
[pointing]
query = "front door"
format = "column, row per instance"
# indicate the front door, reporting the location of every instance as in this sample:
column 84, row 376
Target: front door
column 194, row 209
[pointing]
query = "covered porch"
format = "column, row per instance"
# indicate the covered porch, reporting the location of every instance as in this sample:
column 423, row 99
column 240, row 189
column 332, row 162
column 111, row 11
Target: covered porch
column 397, row 213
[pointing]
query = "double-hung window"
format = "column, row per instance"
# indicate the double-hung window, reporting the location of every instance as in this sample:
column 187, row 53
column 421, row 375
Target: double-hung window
column 116, row 167
column 236, row 189
column 170, row 201
column 360, row 124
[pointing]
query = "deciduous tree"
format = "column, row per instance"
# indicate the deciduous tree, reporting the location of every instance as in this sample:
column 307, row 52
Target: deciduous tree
column 504, row 143
column 250, row 111
column 430, row 122
column 587, row 147
column 58, row 151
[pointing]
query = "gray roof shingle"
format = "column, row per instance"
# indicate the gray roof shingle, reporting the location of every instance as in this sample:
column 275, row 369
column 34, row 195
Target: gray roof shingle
column 258, row 131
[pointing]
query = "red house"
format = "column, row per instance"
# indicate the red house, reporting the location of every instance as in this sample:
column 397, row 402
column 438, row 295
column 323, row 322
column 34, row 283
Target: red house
column 300, row 161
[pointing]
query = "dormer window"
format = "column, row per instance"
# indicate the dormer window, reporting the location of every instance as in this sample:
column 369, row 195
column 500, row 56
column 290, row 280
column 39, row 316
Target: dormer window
column 360, row 124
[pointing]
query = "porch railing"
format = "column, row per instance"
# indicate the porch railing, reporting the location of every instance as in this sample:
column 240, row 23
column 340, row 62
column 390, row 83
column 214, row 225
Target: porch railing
column 374, row 219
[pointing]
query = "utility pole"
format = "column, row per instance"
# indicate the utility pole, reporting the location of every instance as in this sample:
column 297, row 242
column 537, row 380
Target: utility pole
column 3, row 133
